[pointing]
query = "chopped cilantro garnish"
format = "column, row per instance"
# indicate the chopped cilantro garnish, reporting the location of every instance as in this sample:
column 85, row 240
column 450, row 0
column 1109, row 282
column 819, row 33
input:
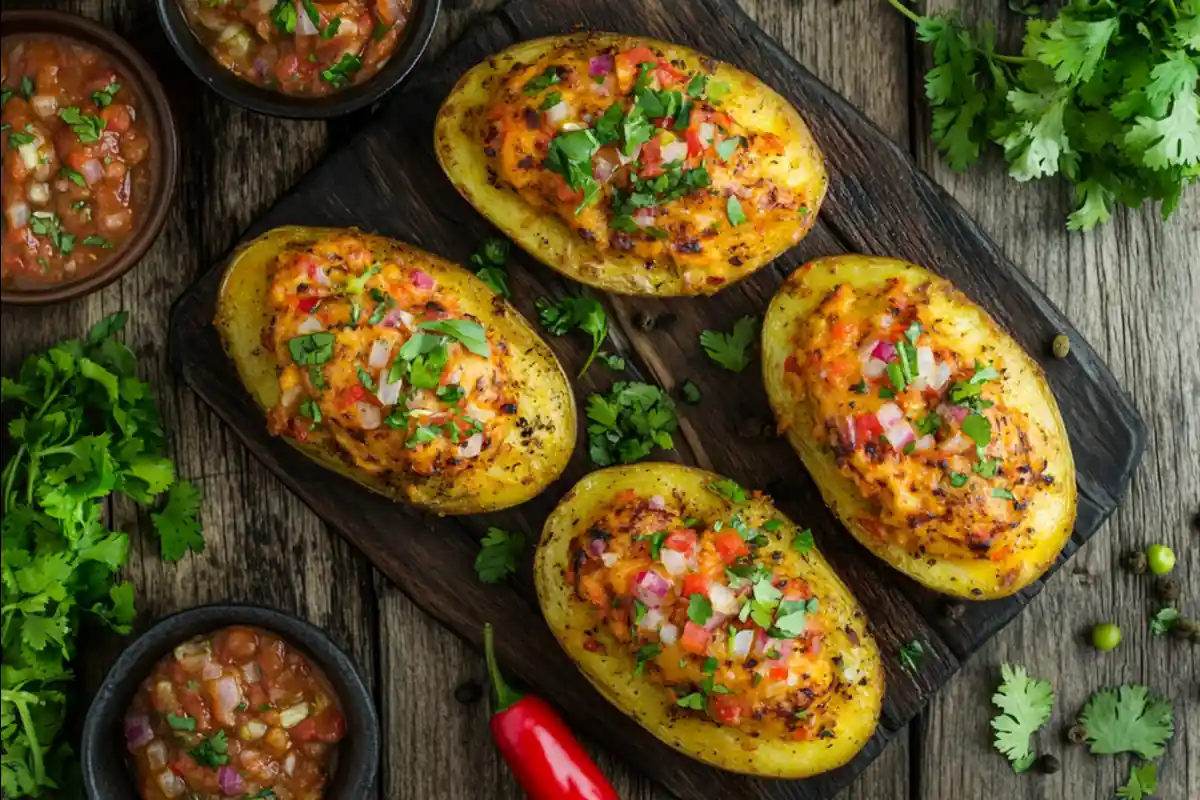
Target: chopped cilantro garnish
column 341, row 73
column 699, row 608
column 542, row 82
column 733, row 209
column 86, row 126
column 646, row 653
column 312, row 348
column 803, row 542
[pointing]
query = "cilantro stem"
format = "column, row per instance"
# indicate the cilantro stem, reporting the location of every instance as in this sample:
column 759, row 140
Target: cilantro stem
column 35, row 747
column 906, row 11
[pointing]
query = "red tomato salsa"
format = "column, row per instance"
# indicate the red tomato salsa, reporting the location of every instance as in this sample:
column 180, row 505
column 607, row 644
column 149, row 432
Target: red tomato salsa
column 76, row 160
column 237, row 713
column 309, row 48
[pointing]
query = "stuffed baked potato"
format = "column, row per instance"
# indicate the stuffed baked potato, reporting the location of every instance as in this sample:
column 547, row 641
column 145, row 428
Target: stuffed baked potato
column 707, row 616
column 396, row 368
column 930, row 432
column 630, row 164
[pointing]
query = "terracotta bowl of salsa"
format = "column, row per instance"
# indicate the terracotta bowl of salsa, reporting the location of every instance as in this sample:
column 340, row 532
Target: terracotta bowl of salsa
column 231, row 701
column 304, row 59
column 90, row 157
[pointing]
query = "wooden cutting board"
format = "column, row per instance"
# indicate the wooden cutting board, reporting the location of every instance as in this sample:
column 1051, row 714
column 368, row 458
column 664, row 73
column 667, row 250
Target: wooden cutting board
column 385, row 179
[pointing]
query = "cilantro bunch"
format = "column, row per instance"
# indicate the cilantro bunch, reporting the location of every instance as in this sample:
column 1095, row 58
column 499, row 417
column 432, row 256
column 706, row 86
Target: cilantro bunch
column 629, row 422
column 87, row 427
column 1105, row 95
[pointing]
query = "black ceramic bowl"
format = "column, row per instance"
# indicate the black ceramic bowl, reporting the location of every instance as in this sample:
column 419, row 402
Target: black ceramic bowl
column 107, row 773
column 408, row 51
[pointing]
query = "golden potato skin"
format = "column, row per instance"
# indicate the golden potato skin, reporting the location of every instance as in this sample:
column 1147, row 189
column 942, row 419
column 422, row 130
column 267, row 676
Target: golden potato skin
column 799, row 169
column 971, row 333
column 650, row 703
column 536, row 448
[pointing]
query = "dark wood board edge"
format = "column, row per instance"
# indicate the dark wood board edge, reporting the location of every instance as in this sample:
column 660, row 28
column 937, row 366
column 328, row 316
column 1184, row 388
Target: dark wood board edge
column 966, row 637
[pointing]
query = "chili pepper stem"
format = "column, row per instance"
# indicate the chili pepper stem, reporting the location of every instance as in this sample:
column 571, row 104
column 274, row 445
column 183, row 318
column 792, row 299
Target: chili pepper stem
column 506, row 696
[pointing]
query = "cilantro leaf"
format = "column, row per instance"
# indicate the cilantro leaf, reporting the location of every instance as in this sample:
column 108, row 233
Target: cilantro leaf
column 583, row 313
column 498, row 554
column 490, row 262
column 912, row 655
column 1143, row 782
column 1164, row 619
column 728, row 489
column 628, row 422
column 178, row 524
column 1127, row 719
column 699, row 608
column 804, row 542
column 731, row 350
column 1025, row 705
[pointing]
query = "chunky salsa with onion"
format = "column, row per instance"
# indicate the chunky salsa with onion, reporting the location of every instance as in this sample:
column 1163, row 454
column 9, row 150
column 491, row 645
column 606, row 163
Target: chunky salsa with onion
column 238, row 713
column 712, row 610
column 643, row 156
column 380, row 365
column 921, row 430
column 309, row 48
column 76, row 160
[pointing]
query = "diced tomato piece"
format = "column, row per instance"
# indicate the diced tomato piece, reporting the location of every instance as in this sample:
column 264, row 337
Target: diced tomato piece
column 803, row 733
column 640, row 55
column 566, row 194
column 682, row 541
column 796, row 589
column 778, row 672
column 728, row 709
column 651, row 158
column 331, row 726
column 866, row 428
column 307, row 304
column 842, row 329
column 667, row 72
column 695, row 146
column 593, row 645
column 117, row 118
column 354, row 394
column 694, row 583
column 730, row 546
column 305, row 731
column 694, row 639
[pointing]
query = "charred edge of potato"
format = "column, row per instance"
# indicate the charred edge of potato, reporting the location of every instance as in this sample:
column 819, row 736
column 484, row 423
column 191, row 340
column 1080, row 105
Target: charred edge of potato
column 546, row 237
column 651, row 704
column 1053, row 511
column 539, row 442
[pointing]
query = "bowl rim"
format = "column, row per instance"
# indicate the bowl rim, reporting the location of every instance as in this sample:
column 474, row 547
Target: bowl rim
column 165, row 163
column 356, row 765
column 409, row 50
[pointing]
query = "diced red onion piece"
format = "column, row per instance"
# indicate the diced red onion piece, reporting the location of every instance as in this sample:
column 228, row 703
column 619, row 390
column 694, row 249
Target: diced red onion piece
column 304, row 25
column 39, row 193
column 252, row 672
column 715, row 621
column 926, row 442
column 422, row 280
column 320, row 275
column 941, row 374
column 625, row 159
column 116, row 220
column 44, row 105
column 888, row 415
column 557, row 113
column 211, row 671
column 389, row 391
column 874, row 369
column 674, row 561
column 379, row 353
column 369, row 415
column 170, row 784
column 311, row 324
column 707, row 132
column 230, row 781
column 652, row 620
column 226, row 697
column 723, row 600
column 415, row 400
column 669, row 634
column 925, row 363
column 956, row 443
column 610, row 559
column 762, row 642
column 644, row 217
column 137, row 731
column 289, row 764
column 18, row 215
column 847, row 432
column 956, row 413
column 601, row 65
column 92, row 171
column 900, row 434
column 675, row 151
column 657, row 502
column 472, row 447
column 597, row 546
column 793, row 679
column 651, row 588
column 884, row 351
column 742, row 642
column 603, row 169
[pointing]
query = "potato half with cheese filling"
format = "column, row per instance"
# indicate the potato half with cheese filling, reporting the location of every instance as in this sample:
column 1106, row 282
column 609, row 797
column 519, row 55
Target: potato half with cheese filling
column 630, row 164
column 699, row 610
column 930, row 432
column 396, row 368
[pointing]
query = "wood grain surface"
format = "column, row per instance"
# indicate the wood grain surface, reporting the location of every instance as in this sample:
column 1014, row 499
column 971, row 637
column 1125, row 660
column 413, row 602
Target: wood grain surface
column 1132, row 289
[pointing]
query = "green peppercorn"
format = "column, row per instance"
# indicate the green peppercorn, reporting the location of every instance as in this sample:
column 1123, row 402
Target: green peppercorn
column 1061, row 346
column 1106, row 636
column 1160, row 559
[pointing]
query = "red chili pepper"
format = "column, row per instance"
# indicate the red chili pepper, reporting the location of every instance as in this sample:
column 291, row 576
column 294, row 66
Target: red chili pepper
column 546, row 759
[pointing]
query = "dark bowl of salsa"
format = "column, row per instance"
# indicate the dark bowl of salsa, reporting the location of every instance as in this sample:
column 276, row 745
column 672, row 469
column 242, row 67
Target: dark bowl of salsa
column 231, row 701
column 302, row 59
column 90, row 157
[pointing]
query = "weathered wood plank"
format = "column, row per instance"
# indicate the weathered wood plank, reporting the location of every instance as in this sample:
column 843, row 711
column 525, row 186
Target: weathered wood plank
column 1132, row 288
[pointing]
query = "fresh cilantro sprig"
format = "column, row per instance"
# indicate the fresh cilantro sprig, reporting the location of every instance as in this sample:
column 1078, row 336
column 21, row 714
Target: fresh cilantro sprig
column 498, row 554
column 628, row 422
column 490, row 262
column 731, row 350
column 1104, row 94
column 584, row 313
column 1143, row 782
column 1128, row 719
column 85, row 427
column 1025, row 705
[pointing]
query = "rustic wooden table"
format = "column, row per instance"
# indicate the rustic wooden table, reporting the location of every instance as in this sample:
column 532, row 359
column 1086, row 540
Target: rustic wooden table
column 1132, row 287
